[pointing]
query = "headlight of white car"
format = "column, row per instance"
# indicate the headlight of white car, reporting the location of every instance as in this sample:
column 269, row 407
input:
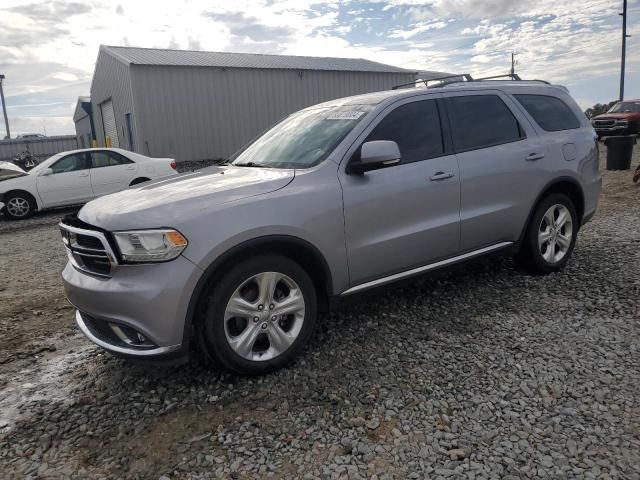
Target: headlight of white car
column 150, row 245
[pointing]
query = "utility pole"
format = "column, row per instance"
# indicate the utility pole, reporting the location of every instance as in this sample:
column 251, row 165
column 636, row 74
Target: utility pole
column 513, row 64
column 624, row 47
column 4, row 108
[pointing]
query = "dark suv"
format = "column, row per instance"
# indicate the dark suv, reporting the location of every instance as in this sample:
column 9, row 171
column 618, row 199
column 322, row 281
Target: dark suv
column 621, row 119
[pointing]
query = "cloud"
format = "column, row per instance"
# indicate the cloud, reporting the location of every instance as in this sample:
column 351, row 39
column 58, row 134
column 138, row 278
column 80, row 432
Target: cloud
column 48, row 47
column 51, row 12
column 419, row 28
column 481, row 8
column 242, row 25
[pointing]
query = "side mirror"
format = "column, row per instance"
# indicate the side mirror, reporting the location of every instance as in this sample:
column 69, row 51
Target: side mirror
column 375, row 155
column 46, row 171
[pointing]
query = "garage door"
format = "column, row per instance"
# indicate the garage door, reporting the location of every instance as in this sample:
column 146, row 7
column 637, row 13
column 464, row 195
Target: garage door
column 109, row 122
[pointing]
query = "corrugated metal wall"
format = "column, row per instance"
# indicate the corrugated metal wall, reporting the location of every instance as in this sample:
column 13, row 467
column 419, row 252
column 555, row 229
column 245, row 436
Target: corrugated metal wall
column 83, row 132
column 193, row 113
column 41, row 148
column 111, row 81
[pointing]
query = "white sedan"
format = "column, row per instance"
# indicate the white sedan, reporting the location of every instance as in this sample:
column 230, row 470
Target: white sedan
column 75, row 177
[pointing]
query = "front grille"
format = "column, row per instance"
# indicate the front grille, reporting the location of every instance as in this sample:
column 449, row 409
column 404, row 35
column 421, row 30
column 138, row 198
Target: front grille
column 604, row 123
column 89, row 242
column 88, row 250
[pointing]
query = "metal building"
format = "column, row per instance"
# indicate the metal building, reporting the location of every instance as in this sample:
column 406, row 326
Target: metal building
column 85, row 131
column 194, row 105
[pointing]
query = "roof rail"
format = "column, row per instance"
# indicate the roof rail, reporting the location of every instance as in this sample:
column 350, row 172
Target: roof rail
column 466, row 78
column 438, row 79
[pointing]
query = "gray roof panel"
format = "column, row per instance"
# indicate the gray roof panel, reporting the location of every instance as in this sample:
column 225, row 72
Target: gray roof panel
column 193, row 58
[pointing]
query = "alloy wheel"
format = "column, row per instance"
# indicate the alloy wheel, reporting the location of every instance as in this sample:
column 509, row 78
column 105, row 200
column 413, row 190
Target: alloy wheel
column 555, row 233
column 264, row 316
column 18, row 207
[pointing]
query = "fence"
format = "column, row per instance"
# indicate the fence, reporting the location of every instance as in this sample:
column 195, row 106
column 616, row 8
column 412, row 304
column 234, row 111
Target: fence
column 40, row 148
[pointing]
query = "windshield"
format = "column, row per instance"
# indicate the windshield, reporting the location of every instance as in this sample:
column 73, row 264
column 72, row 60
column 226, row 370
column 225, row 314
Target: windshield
column 303, row 139
column 622, row 107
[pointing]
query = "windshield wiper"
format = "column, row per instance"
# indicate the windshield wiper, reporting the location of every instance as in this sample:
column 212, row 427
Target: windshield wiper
column 250, row 164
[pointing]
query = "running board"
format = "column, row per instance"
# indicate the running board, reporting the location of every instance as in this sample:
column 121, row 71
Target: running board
column 415, row 271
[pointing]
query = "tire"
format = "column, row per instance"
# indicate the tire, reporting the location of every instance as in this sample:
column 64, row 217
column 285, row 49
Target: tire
column 546, row 249
column 268, row 344
column 19, row 205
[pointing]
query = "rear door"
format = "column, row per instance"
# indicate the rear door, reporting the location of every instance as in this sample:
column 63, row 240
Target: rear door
column 500, row 158
column 111, row 172
column 408, row 215
column 70, row 182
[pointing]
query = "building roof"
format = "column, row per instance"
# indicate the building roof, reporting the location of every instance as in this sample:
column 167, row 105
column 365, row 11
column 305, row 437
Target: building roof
column 83, row 107
column 194, row 58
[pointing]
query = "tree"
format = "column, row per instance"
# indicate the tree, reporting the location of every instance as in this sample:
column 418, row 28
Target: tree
column 599, row 109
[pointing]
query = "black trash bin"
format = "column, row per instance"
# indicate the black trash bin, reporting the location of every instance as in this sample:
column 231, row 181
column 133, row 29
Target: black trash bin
column 619, row 152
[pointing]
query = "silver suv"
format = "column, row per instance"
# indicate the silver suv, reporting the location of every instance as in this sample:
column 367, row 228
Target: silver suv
column 334, row 200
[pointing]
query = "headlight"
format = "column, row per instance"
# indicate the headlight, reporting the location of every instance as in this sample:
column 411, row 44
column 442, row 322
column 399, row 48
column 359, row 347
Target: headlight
column 150, row 245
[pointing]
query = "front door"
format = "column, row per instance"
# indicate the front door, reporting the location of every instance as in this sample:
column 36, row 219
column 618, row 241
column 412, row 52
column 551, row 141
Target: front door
column 68, row 184
column 408, row 215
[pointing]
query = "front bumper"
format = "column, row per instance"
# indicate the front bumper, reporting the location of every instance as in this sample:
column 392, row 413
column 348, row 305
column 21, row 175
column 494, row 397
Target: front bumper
column 140, row 311
column 115, row 342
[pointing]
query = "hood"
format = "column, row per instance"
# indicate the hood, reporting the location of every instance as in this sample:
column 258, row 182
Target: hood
column 10, row 170
column 169, row 202
column 618, row 116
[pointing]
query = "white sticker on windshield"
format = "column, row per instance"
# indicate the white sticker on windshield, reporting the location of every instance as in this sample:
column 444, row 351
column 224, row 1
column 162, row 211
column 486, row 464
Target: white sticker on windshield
column 349, row 115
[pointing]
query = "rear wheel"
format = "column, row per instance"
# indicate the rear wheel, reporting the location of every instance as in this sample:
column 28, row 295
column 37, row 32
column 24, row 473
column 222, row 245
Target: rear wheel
column 551, row 235
column 19, row 205
column 260, row 315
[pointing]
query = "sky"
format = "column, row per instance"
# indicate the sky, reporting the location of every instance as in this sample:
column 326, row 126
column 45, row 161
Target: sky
column 48, row 48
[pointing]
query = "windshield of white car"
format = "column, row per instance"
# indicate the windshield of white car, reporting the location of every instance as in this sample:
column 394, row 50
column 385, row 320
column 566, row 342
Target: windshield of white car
column 303, row 139
column 622, row 107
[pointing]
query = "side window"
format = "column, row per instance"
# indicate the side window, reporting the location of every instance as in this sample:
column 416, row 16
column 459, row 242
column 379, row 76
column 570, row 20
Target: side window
column 479, row 121
column 117, row 159
column 99, row 159
column 415, row 127
column 107, row 159
column 71, row 163
column 551, row 113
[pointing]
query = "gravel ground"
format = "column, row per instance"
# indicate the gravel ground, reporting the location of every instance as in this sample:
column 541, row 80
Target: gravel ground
column 478, row 372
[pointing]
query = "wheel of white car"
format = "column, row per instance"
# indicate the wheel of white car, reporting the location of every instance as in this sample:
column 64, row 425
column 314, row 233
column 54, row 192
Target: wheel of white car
column 19, row 205
column 260, row 314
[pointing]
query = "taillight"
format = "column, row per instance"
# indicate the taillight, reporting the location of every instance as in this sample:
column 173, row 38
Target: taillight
column 173, row 164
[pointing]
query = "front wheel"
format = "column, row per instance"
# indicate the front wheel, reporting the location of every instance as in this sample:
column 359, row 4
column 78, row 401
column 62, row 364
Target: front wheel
column 551, row 235
column 260, row 315
column 19, row 206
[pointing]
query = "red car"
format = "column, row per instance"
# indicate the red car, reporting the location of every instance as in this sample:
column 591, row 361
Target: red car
column 621, row 119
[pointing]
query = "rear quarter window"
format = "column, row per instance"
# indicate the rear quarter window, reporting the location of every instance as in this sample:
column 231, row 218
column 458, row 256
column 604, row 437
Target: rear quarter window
column 551, row 113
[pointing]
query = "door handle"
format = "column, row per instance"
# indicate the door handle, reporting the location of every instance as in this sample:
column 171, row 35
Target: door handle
column 441, row 176
column 532, row 157
column 83, row 175
column 131, row 168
